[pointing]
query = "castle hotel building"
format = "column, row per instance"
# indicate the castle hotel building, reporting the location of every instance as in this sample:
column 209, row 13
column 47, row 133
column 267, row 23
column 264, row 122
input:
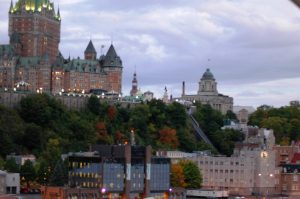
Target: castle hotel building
column 32, row 60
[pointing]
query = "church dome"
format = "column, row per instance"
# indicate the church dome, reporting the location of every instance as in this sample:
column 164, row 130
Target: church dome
column 208, row 75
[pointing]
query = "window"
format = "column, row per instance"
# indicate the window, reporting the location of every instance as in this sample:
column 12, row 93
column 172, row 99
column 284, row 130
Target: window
column 295, row 178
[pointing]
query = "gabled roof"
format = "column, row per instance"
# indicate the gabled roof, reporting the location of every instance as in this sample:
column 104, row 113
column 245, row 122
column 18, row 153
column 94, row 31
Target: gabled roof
column 111, row 58
column 90, row 48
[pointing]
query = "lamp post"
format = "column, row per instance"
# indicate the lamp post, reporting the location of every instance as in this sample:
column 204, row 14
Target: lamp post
column 102, row 192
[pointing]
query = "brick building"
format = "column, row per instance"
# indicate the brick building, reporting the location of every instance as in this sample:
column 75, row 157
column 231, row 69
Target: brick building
column 32, row 60
column 288, row 166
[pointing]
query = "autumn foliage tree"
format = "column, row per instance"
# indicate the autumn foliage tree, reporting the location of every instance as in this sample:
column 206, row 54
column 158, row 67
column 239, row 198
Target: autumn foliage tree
column 186, row 174
column 102, row 132
column 192, row 174
column 111, row 112
column 169, row 138
column 177, row 176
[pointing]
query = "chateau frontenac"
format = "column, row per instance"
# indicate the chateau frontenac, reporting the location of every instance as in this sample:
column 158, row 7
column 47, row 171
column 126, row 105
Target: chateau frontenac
column 32, row 60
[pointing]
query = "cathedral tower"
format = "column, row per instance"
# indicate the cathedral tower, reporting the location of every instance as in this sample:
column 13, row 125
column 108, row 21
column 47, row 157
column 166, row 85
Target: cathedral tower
column 36, row 25
column 134, row 88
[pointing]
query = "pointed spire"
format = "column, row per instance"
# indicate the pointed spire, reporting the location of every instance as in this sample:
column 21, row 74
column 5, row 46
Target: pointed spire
column 58, row 13
column 111, row 51
column 111, row 58
column 90, row 51
column 11, row 6
column 90, row 48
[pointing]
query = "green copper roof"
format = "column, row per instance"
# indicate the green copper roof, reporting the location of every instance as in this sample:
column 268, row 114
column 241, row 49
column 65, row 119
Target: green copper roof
column 29, row 61
column 208, row 75
column 82, row 65
column 34, row 6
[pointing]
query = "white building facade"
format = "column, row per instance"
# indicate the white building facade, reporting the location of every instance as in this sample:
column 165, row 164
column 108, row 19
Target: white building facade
column 9, row 183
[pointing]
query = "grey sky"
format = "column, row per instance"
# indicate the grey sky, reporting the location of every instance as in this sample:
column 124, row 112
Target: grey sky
column 253, row 45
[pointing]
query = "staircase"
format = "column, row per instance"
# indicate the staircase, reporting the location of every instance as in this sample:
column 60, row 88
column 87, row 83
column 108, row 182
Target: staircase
column 199, row 131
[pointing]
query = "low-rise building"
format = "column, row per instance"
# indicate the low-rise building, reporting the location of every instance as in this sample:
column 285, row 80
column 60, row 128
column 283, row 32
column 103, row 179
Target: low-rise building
column 9, row 183
column 235, row 174
column 249, row 171
column 119, row 171
column 21, row 159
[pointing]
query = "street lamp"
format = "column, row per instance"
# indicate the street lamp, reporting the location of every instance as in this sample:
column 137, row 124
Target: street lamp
column 102, row 192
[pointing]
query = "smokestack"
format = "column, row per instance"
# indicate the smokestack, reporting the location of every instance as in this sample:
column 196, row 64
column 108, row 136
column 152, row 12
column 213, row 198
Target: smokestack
column 183, row 88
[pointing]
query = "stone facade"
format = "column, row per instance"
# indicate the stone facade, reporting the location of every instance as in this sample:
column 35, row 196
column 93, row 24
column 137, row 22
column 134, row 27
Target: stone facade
column 249, row 171
column 32, row 61
column 208, row 94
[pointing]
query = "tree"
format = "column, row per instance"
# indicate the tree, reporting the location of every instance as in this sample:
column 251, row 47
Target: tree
column 41, row 109
column 33, row 138
column 11, row 166
column 278, row 124
column 11, row 131
column 2, row 162
column 53, row 152
column 103, row 137
column 169, row 138
column 177, row 176
column 43, row 171
column 111, row 112
column 60, row 175
column 177, row 115
column 28, row 172
column 230, row 115
column 193, row 177
column 94, row 105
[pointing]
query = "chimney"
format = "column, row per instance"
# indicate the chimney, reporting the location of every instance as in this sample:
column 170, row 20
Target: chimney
column 183, row 88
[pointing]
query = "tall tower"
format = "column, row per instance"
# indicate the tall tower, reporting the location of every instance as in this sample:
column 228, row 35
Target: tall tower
column 165, row 98
column 37, row 26
column 112, row 65
column 90, row 51
column 134, row 88
column 208, row 84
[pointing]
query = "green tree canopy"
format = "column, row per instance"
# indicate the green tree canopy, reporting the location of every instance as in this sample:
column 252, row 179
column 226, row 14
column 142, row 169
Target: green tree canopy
column 11, row 166
column 27, row 171
column 192, row 174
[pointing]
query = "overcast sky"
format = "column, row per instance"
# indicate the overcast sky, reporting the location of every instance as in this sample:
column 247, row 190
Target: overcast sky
column 253, row 45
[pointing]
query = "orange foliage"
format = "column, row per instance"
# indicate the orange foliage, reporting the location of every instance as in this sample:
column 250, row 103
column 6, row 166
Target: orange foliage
column 177, row 176
column 111, row 112
column 168, row 136
column 101, row 129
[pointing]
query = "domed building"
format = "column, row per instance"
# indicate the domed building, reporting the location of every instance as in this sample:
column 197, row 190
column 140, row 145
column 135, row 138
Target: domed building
column 208, row 94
